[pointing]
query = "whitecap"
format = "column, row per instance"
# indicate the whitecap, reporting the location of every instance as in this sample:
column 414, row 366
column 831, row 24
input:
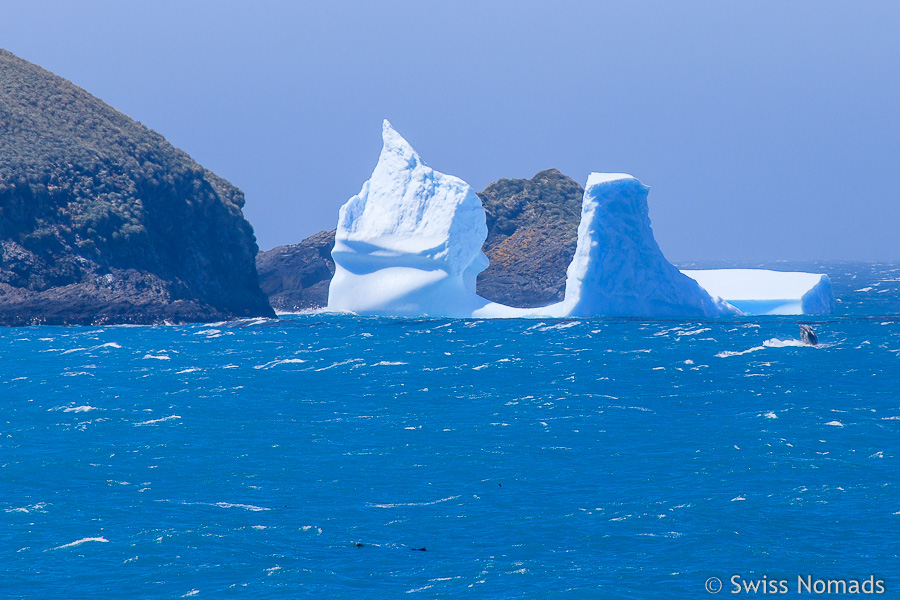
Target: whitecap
column 776, row 343
column 157, row 356
column 27, row 509
column 80, row 409
column 97, row 347
column 738, row 499
column 770, row 415
column 248, row 322
column 694, row 331
column 835, row 423
column 155, row 421
column 81, row 541
column 388, row 363
column 249, row 507
column 558, row 326
column 727, row 353
column 188, row 370
column 399, row 504
column 340, row 364
column 283, row 361
column 770, row 343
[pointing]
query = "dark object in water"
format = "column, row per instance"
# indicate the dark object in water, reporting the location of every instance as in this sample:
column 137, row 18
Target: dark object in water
column 418, row 549
column 807, row 335
column 359, row 544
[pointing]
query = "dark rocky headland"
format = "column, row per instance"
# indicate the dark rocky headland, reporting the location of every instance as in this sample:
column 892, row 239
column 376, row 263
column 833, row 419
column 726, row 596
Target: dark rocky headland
column 103, row 221
column 532, row 232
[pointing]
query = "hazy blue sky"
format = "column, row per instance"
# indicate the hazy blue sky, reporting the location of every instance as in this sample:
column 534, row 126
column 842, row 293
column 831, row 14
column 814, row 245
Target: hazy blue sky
column 766, row 130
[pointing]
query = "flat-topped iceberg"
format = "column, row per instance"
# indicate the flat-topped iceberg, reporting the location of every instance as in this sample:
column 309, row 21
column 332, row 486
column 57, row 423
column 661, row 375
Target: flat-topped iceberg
column 409, row 244
column 763, row 292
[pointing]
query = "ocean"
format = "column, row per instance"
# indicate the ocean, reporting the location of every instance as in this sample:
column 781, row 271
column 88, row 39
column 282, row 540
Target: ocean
column 332, row 456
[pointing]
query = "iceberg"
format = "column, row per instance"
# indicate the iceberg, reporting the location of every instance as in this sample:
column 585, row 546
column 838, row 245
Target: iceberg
column 410, row 243
column 764, row 292
column 618, row 268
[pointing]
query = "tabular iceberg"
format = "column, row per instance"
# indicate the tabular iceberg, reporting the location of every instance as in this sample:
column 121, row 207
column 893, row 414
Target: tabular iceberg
column 409, row 244
column 763, row 292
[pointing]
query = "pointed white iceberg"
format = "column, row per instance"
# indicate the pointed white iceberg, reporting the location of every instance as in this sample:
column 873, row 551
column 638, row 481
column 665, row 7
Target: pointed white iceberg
column 409, row 244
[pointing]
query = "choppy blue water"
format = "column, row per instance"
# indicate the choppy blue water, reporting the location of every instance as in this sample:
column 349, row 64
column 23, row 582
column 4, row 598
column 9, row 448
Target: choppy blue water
column 531, row 459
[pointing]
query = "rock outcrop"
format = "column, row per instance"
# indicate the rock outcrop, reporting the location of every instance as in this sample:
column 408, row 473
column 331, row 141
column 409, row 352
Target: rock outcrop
column 103, row 221
column 532, row 232
column 296, row 276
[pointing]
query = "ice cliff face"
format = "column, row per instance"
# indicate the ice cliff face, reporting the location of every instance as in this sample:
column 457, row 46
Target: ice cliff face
column 618, row 268
column 409, row 243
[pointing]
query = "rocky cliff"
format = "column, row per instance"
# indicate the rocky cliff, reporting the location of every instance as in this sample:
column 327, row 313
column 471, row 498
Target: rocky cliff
column 296, row 276
column 532, row 232
column 103, row 221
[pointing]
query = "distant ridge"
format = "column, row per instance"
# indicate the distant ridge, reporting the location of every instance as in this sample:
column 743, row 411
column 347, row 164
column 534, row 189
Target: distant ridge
column 103, row 221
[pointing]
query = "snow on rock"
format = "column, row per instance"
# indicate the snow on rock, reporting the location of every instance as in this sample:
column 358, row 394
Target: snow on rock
column 409, row 244
column 763, row 292
column 618, row 268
